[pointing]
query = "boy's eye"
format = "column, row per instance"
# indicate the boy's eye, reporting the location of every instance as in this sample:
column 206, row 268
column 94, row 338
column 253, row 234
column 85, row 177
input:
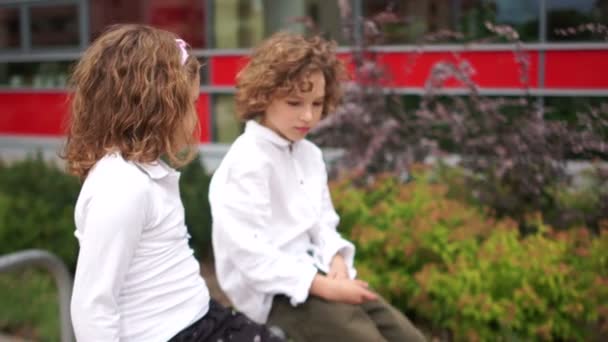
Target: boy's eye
column 318, row 104
column 293, row 103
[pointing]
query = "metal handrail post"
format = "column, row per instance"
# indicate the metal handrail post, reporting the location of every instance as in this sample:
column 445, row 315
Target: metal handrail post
column 63, row 279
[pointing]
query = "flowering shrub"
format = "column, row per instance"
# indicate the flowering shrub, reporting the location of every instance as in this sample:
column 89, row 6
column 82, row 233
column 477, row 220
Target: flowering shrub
column 515, row 152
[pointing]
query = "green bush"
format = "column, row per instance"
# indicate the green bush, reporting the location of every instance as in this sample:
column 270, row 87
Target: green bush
column 29, row 306
column 452, row 266
column 37, row 202
column 194, row 189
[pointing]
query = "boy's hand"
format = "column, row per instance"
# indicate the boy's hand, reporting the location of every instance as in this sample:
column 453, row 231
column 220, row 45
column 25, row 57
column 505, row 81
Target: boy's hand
column 338, row 268
column 351, row 291
column 342, row 290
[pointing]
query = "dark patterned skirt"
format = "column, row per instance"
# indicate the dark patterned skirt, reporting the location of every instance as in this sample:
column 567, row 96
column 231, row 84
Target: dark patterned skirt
column 221, row 324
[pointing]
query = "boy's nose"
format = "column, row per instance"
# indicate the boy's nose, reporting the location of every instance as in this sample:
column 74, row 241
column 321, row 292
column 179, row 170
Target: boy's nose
column 306, row 115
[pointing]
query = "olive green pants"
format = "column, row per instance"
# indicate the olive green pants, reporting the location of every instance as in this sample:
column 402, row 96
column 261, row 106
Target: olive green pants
column 319, row 320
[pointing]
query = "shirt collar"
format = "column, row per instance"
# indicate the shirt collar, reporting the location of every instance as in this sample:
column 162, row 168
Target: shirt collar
column 266, row 133
column 156, row 170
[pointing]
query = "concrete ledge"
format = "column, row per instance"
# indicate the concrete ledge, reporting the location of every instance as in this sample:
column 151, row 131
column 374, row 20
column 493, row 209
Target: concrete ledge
column 17, row 147
column 7, row 338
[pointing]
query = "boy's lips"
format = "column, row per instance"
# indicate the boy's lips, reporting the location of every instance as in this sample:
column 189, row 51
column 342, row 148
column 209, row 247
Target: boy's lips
column 303, row 129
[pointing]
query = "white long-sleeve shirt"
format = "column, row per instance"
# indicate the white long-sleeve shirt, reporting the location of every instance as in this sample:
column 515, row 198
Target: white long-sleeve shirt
column 136, row 277
column 274, row 225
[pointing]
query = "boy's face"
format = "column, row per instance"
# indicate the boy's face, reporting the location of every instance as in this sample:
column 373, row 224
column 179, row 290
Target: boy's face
column 293, row 116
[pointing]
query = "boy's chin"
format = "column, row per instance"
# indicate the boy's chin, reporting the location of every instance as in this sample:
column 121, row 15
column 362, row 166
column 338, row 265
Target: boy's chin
column 296, row 137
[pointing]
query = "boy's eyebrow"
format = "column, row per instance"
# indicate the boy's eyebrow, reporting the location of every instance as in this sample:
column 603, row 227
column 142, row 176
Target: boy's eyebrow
column 298, row 97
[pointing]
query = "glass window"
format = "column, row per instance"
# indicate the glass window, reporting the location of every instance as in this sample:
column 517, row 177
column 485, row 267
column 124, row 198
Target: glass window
column 522, row 15
column 407, row 21
column 577, row 14
column 567, row 108
column 54, row 26
column 244, row 23
column 204, row 70
column 10, row 28
column 184, row 18
column 36, row 75
column 237, row 23
column 226, row 125
column 420, row 21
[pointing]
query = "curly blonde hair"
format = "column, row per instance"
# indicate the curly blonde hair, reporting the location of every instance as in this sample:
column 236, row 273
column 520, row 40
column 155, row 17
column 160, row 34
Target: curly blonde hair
column 132, row 95
column 282, row 62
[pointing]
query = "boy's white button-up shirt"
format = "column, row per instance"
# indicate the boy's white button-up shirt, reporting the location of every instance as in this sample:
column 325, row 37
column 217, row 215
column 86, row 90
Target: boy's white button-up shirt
column 136, row 278
column 274, row 225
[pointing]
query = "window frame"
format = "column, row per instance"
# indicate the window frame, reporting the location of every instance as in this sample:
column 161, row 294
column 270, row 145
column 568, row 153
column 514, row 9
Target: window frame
column 25, row 40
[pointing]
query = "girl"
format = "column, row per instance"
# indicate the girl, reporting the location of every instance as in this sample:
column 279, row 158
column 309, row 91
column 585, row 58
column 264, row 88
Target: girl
column 278, row 255
column 136, row 277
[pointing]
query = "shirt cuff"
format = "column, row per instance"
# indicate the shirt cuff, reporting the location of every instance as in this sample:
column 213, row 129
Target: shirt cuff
column 348, row 253
column 300, row 294
column 345, row 248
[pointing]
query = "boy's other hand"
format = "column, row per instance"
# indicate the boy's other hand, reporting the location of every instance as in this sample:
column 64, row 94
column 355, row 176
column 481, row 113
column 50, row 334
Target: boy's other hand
column 342, row 290
column 338, row 268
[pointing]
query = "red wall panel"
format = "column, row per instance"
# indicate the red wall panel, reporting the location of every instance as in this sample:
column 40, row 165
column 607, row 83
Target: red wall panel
column 38, row 112
column 577, row 69
column 582, row 69
column 495, row 69
column 224, row 69
column 44, row 113
column 33, row 113
column 202, row 106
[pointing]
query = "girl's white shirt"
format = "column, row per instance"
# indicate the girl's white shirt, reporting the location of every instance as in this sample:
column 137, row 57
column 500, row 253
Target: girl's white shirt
column 136, row 277
column 274, row 225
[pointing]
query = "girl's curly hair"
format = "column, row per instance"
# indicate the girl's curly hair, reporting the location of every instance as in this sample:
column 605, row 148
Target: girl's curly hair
column 131, row 94
column 281, row 63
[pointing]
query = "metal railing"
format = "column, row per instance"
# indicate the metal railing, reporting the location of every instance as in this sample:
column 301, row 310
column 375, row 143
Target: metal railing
column 63, row 279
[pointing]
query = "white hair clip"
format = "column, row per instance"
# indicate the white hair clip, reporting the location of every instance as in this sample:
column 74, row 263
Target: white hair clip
column 182, row 47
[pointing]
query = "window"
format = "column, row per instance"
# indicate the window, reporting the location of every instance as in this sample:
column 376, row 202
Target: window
column 567, row 108
column 408, row 21
column 564, row 14
column 204, row 70
column 184, row 18
column 54, row 26
column 237, row 23
column 36, row 75
column 10, row 28
column 522, row 15
column 226, row 125
column 244, row 23
column 416, row 21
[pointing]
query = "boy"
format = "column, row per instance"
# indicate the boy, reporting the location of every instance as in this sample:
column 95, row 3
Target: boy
column 278, row 255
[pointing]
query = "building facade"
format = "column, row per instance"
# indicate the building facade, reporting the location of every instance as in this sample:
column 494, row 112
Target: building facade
column 563, row 43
